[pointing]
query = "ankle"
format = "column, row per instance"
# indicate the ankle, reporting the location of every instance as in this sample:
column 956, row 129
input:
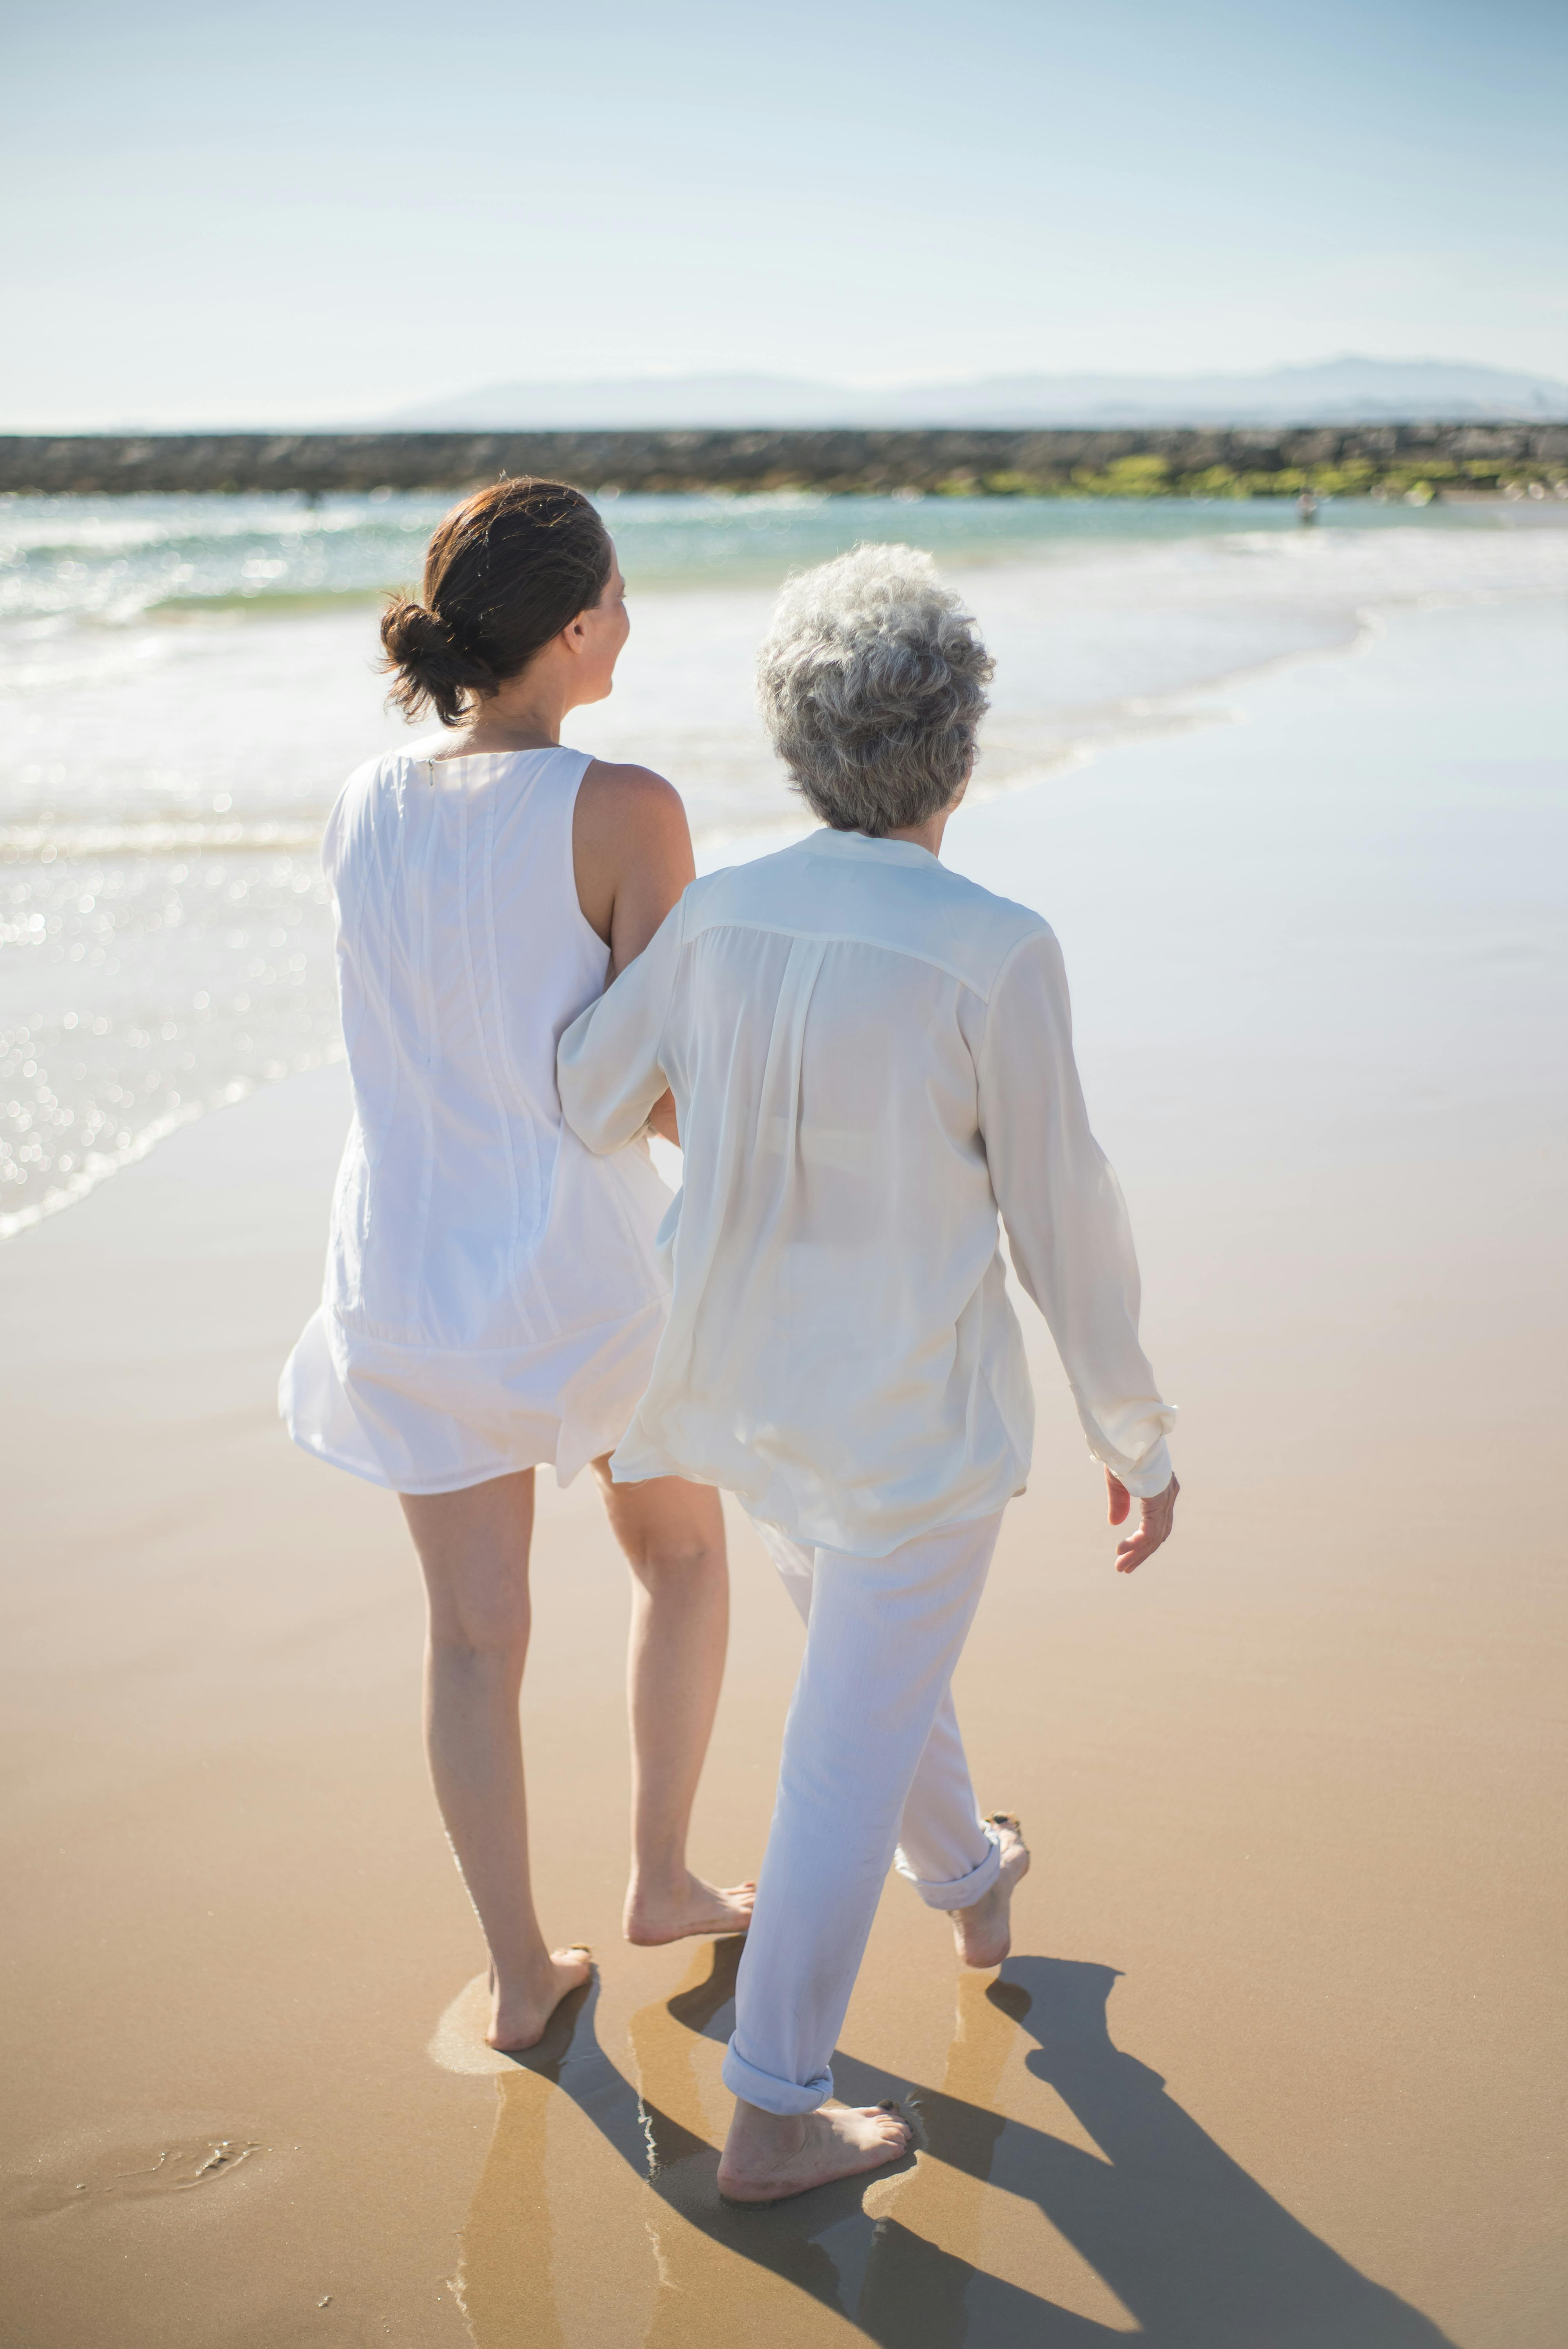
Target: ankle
column 667, row 1877
column 776, row 2133
column 524, row 1974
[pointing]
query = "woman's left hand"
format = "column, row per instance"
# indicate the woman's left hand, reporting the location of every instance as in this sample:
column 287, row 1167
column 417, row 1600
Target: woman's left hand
column 1155, row 1518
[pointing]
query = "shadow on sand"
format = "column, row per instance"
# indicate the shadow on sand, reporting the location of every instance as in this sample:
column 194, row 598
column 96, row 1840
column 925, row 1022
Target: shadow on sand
column 1198, row 2254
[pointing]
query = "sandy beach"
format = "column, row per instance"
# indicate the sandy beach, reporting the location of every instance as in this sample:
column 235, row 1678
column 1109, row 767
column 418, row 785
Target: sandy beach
column 1276, row 2063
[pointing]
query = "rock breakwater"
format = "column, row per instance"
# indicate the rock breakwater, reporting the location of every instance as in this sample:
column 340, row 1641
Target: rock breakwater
column 1394, row 459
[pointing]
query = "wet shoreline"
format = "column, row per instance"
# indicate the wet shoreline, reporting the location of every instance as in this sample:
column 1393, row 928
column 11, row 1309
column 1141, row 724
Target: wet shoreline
column 1274, row 2042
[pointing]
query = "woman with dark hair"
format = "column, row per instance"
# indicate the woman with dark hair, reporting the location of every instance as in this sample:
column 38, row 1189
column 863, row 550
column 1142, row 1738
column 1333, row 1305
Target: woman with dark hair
column 494, row 1297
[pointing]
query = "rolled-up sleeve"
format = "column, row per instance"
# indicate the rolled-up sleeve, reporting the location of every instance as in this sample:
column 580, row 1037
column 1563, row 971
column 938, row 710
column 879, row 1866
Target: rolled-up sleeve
column 1064, row 1214
column 607, row 1064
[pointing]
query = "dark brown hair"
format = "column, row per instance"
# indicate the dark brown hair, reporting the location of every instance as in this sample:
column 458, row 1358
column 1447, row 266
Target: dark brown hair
column 504, row 573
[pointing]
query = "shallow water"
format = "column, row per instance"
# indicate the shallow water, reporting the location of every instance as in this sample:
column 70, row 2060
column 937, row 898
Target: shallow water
column 185, row 682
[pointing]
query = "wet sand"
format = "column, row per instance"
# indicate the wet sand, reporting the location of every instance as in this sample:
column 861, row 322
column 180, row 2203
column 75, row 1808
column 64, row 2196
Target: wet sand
column 1278, row 2058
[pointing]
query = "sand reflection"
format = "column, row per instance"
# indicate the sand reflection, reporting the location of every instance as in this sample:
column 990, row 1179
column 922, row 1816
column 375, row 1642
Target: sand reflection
column 709, row 2269
column 1195, row 2251
column 693, row 2307
column 505, row 2283
column 926, row 2240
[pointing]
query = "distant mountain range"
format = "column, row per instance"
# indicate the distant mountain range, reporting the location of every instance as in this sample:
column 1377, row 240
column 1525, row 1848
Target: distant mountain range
column 1330, row 391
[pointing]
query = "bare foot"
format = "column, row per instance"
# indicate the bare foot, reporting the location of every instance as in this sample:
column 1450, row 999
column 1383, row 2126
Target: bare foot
column 520, row 2012
column 770, row 2155
column 659, row 1913
column 983, row 1931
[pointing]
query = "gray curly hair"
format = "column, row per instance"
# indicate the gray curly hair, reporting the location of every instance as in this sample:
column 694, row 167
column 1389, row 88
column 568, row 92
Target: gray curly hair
column 873, row 683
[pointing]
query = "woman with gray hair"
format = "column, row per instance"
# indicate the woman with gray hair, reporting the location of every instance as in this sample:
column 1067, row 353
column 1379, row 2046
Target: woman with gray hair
column 870, row 1060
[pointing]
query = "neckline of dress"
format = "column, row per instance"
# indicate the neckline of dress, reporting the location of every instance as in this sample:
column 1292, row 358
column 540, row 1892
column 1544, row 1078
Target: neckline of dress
column 466, row 758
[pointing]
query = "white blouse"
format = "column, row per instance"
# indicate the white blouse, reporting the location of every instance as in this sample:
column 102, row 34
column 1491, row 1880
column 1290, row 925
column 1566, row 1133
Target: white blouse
column 870, row 1056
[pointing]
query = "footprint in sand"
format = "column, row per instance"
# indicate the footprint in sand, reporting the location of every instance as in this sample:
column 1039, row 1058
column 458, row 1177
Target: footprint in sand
column 135, row 2173
column 457, row 2043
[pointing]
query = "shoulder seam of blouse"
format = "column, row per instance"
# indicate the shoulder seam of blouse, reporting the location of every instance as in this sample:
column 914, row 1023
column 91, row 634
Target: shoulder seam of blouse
column 680, row 908
column 1008, row 960
column 875, row 946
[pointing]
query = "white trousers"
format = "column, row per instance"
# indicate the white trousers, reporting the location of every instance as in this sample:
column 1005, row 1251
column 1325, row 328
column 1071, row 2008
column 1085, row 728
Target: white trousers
column 873, row 1769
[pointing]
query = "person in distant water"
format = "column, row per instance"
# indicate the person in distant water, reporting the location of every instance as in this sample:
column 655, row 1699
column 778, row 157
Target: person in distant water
column 494, row 1297
column 870, row 1059
column 1306, row 506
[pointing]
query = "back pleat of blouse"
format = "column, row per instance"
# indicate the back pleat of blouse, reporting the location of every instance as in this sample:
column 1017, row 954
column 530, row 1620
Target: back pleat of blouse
column 872, row 1061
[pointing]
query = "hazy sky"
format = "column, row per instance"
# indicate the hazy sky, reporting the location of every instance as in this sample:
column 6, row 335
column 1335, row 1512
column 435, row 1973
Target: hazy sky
column 292, row 215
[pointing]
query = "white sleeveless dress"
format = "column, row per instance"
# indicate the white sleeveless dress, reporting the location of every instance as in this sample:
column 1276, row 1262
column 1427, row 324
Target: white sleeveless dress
column 494, row 1297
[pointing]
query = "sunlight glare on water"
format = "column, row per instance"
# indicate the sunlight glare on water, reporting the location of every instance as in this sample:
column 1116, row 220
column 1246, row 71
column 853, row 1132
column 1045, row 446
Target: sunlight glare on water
column 186, row 682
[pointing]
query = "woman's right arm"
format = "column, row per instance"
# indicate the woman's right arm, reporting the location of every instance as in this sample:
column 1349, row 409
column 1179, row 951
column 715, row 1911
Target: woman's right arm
column 630, row 849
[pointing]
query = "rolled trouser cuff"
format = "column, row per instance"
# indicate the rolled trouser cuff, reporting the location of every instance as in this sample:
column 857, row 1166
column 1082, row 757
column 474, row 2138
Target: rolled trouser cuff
column 744, row 2079
column 963, row 1891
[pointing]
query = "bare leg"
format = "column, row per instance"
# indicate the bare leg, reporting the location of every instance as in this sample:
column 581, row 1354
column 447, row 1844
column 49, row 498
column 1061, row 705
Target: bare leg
column 473, row 1546
column 673, row 1536
column 983, row 1931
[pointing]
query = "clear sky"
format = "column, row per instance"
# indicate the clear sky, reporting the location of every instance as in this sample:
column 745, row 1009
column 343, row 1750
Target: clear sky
column 287, row 213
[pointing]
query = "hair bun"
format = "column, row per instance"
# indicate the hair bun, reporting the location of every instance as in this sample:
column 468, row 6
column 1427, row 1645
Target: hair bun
column 429, row 663
column 504, row 573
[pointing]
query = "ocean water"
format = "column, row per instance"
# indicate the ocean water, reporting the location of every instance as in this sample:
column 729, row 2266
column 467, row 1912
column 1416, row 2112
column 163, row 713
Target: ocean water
column 186, row 682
